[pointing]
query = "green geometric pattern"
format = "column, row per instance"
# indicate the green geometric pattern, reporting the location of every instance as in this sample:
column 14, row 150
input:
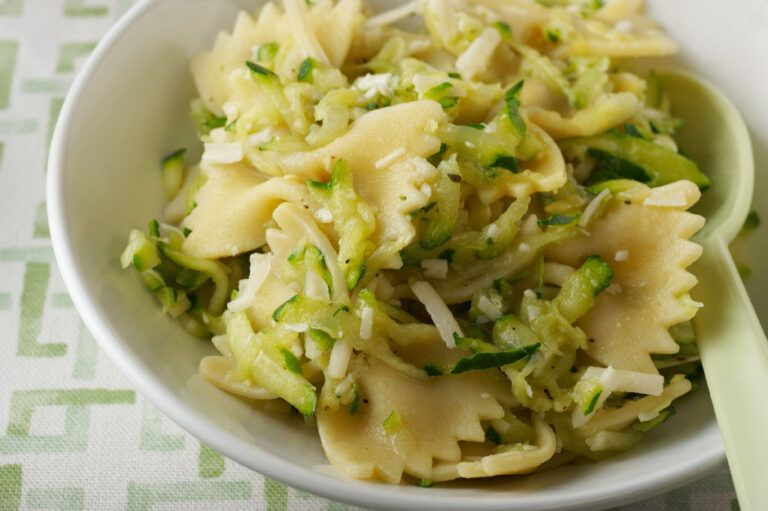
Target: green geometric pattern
column 74, row 434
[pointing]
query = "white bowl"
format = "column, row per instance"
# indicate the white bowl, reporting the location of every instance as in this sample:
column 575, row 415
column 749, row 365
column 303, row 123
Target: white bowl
column 127, row 109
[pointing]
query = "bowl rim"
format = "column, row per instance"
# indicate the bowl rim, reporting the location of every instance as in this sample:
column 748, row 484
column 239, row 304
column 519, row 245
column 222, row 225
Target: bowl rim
column 360, row 493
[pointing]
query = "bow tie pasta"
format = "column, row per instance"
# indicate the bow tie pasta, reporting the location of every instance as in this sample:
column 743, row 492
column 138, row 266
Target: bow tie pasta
column 460, row 251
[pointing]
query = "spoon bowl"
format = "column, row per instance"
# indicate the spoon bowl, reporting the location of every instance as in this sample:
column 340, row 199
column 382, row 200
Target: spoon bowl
column 716, row 138
column 733, row 346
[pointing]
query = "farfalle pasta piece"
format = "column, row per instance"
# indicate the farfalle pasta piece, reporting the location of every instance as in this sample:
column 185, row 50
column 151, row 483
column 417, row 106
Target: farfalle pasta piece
column 512, row 459
column 647, row 247
column 212, row 70
column 360, row 445
column 233, row 207
column 606, row 112
column 543, row 173
column 383, row 147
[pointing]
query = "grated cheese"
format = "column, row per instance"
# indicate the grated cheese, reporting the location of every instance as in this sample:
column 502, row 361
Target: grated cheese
column 435, row 268
column 324, row 215
column 439, row 312
column 528, row 389
column 343, row 387
column 311, row 349
column 261, row 267
column 222, row 152
column 371, row 85
column 530, row 225
column 297, row 327
column 260, row 137
column 617, row 380
column 556, row 273
column 339, row 361
column 475, row 58
column 231, row 110
column 315, row 287
column 493, row 232
column 487, row 307
column 389, row 159
column 621, row 255
column 592, row 208
column 366, row 323
column 524, row 247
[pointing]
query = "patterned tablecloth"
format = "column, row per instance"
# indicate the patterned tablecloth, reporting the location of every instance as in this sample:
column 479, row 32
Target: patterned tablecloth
column 74, row 434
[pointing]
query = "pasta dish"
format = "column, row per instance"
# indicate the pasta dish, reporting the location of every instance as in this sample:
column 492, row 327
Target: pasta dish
column 453, row 235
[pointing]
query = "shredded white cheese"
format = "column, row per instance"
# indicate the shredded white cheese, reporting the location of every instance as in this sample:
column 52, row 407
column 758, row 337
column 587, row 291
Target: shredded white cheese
column 435, row 268
column 488, row 308
column 231, row 110
column 324, row 215
column 493, row 232
column 617, row 380
column 524, row 247
column 533, row 312
column 528, row 389
column 439, row 312
column 371, row 85
column 556, row 273
column 315, row 287
column 343, row 386
column 298, row 327
column 339, row 360
column 222, row 152
column 475, row 58
column 261, row 266
column 311, row 349
column 389, row 159
column 366, row 323
column 621, row 255
column 592, row 208
column 530, row 225
column 260, row 137
column 426, row 190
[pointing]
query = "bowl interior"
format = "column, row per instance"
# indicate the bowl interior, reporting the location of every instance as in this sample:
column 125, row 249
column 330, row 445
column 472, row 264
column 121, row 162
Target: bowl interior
column 128, row 110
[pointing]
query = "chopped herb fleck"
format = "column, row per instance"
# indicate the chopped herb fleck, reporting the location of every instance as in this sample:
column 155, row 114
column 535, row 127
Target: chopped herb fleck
column 558, row 219
column 493, row 435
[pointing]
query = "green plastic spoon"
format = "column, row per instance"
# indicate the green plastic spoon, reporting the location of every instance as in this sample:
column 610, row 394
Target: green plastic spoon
column 733, row 346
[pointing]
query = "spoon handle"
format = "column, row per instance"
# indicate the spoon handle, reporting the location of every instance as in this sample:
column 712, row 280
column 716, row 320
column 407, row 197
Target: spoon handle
column 734, row 353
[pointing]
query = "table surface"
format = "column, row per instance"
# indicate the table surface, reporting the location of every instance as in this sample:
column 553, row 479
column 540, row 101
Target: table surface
column 74, row 434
